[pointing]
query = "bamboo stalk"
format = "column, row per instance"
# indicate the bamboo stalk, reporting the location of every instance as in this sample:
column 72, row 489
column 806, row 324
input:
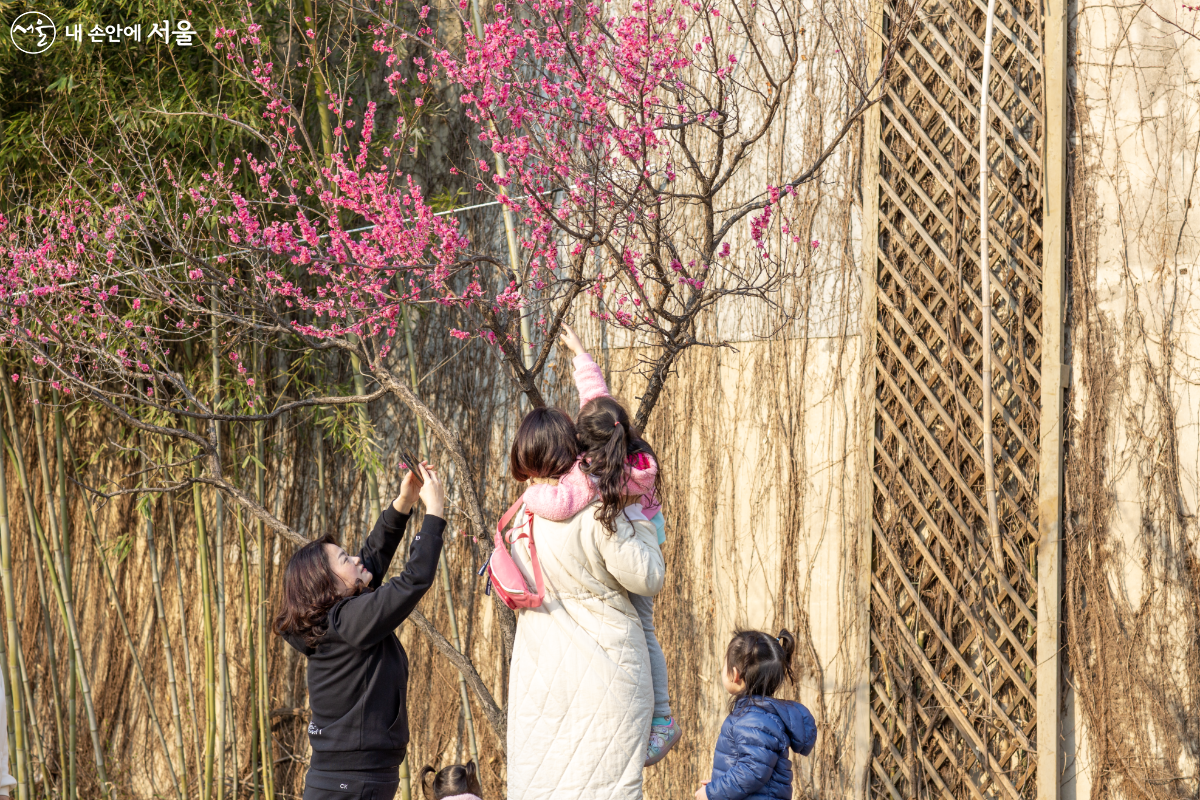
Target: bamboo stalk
column 222, row 698
column 510, row 230
column 68, row 608
column 360, row 411
column 64, row 528
column 322, row 522
column 327, row 143
column 14, row 638
column 248, row 624
column 210, row 675
column 160, row 610
column 15, row 449
column 210, row 680
column 263, row 700
column 8, row 729
column 443, row 567
column 250, row 653
column 172, row 682
column 183, row 631
column 38, row 744
column 137, row 661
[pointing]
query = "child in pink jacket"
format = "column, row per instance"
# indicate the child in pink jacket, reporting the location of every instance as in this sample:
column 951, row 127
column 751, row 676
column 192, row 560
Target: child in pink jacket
column 618, row 467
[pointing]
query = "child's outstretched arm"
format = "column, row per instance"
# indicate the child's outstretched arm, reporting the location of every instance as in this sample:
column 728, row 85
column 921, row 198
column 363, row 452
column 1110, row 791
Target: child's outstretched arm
column 589, row 380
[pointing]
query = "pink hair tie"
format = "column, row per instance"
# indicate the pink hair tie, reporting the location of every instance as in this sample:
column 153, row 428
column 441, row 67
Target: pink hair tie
column 617, row 423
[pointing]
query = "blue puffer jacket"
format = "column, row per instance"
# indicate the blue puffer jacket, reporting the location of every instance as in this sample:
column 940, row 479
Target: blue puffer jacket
column 751, row 762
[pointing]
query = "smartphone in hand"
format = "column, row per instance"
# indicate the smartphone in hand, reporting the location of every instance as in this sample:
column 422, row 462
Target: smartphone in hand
column 410, row 462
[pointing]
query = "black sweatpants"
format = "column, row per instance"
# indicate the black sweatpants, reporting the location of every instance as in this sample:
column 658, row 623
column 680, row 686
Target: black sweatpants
column 372, row 785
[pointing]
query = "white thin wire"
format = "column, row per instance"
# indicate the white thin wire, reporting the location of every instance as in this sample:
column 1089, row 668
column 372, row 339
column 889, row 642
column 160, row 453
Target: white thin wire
column 322, row 236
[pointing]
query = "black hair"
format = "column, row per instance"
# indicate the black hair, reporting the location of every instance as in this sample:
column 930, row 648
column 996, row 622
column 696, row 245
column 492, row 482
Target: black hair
column 545, row 446
column 607, row 439
column 310, row 589
column 762, row 662
column 450, row 781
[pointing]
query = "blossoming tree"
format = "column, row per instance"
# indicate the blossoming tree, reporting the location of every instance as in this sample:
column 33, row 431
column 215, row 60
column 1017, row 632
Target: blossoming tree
column 626, row 148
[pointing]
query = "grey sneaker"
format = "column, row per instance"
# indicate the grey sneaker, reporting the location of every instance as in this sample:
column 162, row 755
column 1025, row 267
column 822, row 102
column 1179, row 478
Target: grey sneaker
column 662, row 739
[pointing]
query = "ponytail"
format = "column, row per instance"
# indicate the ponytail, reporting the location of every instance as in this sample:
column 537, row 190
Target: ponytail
column 452, row 781
column 761, row 661
column 787, row 643
column 607, row 439
column 424, row 779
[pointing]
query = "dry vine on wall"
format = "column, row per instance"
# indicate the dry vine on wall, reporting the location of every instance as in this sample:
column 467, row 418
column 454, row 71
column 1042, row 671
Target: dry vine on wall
column 1133, row 581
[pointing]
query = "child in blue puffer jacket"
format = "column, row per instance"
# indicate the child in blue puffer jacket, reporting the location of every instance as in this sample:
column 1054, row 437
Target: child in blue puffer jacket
column 751, row 761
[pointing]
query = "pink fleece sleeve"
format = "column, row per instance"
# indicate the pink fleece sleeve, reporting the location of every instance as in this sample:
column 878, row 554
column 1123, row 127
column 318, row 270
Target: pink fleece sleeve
column 641, row 482
column 589, row 380
column 563, row 500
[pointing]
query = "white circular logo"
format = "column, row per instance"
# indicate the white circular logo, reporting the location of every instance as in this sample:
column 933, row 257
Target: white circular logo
column 33, row 32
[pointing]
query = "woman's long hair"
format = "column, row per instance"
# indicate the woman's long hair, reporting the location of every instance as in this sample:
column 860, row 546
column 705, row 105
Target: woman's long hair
column 762, row 662
column 608, row 440
column 310, row 589
column 453, row 780
column 545, row 445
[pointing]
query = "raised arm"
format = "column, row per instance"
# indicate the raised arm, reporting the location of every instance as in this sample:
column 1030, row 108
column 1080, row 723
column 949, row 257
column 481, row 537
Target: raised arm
column 381, row 544
column 366, row 619
column 589, row 380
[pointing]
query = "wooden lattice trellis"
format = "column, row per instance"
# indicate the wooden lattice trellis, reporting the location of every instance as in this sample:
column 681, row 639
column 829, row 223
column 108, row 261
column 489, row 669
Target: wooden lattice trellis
column 953, row 644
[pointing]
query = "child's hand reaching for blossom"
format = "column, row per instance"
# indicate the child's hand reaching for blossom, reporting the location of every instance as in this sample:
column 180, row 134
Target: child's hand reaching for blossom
column 702, row 793
column 571, row 340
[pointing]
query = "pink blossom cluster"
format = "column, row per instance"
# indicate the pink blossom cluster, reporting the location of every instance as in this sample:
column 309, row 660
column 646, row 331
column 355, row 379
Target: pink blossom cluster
column 585, row 116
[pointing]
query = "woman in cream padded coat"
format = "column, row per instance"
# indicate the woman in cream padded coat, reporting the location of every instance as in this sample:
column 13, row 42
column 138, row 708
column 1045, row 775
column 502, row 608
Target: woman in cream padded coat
column 580, row 696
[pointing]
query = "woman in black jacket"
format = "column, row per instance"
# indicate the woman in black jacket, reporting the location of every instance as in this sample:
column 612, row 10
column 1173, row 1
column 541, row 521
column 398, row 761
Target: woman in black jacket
column 338, row 612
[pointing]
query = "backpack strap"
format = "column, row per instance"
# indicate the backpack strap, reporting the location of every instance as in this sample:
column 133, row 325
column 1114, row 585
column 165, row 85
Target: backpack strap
column 537, row 565
column 526, row 534
column 508, row 515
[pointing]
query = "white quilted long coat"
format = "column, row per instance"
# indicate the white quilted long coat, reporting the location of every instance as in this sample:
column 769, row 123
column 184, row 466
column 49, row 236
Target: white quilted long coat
column 580, row 697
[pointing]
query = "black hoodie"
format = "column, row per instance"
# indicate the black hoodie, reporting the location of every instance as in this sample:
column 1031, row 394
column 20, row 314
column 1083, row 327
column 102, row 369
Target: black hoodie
column 357, row 671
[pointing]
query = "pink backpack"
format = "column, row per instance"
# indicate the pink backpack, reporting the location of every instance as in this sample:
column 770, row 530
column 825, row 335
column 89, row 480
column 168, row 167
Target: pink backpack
column 503, row 572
